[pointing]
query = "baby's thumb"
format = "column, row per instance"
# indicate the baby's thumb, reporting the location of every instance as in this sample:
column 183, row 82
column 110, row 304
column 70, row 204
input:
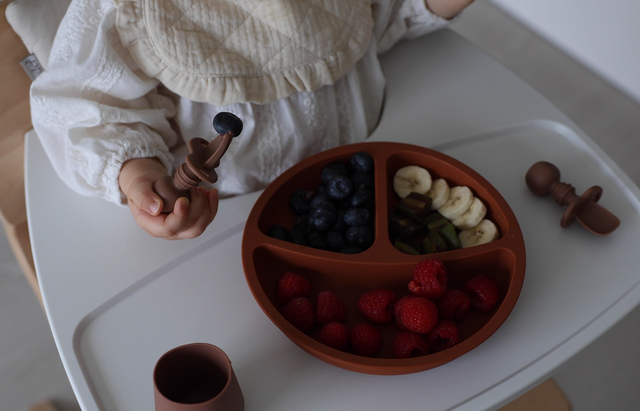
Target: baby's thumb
column 146, row 199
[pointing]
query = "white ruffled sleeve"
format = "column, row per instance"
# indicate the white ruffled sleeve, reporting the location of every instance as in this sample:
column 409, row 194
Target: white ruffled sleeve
column 93, row 109
column 396, row 20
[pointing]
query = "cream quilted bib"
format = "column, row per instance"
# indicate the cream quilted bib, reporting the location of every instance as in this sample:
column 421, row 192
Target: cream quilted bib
column 230, row 51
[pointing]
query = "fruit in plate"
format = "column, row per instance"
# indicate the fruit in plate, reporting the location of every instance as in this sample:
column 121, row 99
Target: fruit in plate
column 482, row 233
column 359, row 236
column 410, row 179
column 377, row 305
column 407, row 344
column 362, row 161
column 414, row 205
column 419, row 315
column 340, row 187
column 335, row 335
column 460, row 199
column 365, row 340
column 330, row 308
column 291, row 285
column 430, row 279
column 439, row 193
column 356, row 216
column 444, row 335
column 472, row 216
column 300, row 313
column 483, row 292
column 453, row 305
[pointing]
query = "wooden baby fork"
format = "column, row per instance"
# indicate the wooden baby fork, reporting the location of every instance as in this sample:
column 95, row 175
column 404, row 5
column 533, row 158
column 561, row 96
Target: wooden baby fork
column 201, row 163
column 544, row 178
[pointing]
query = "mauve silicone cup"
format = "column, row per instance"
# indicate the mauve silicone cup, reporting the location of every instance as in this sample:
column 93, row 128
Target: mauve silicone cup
column 196, row 377
column 265, row 259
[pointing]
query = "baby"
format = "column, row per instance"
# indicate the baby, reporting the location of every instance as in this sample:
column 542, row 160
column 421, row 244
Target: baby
column 129, row 80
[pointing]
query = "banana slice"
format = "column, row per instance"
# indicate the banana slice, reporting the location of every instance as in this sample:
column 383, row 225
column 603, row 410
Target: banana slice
column 460, row 199
column 411, row 179
column 439, row 193
column 484, row 232
column 472, row 216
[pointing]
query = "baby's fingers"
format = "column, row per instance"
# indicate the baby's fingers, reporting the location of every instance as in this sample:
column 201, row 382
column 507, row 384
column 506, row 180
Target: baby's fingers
column 201, row 214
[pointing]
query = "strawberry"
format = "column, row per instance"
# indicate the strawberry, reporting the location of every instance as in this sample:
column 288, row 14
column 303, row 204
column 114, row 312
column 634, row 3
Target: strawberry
column 299, row 312
column 429, row 279
column 419, row 315
column 483, row 292
column 377, row 305
column 407, row 344
column 291, row 285
column 330, row 308
column 335, row 335
column 365, row 340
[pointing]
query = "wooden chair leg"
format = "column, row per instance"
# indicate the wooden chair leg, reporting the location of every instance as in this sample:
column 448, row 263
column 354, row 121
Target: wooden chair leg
column 18, row 236
column 545, row 397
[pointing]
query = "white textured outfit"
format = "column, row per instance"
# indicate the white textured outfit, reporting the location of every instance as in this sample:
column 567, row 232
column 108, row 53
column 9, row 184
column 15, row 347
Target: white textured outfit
column 99, row 103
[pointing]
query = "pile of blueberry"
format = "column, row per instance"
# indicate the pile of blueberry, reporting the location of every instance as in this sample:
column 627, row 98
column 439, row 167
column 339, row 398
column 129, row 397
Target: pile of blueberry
column 339, row 215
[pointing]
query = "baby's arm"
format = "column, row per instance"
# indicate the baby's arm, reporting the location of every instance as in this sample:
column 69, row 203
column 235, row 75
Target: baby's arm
column 447, row 8
column 189, row 219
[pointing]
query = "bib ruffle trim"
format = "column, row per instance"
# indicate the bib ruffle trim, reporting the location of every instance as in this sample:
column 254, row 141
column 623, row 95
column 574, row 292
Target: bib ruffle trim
column 216, row 64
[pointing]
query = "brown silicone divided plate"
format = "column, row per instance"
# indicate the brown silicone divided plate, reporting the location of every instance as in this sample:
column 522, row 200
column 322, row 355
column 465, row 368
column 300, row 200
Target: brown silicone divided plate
column 265, row 259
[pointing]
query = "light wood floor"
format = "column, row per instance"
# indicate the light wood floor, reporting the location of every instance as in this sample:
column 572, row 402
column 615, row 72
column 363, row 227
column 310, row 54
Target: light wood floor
column 602, row 377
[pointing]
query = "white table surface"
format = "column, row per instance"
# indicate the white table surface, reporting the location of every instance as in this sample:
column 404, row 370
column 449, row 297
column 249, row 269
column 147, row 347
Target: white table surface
column 117, row 299
column 603, row 37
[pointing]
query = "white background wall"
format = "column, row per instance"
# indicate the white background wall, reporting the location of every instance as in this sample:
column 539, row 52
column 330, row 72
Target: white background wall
column 602, row 35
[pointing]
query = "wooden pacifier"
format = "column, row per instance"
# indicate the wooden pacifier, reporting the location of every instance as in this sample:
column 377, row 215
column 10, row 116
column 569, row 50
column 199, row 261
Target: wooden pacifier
column 200, row 164
column 544, row 178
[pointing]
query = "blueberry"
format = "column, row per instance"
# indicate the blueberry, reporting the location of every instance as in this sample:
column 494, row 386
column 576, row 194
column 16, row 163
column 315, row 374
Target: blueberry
column 300, row 200
column 362, row 179
column 319, row 199
column 362, row 161
column 279, row 232
column 335, row 241
column 340, row 188
column 324, row 217
column 316, row 240
column 303, row 224
column 224, row 122
column 364, row 198
column 340, row 225
column 356, row 216
column 360, row 235
column 331, row 170
column 298, row 237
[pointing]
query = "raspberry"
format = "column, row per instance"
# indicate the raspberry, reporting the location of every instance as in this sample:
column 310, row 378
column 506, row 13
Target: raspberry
column 397, row 309
column 377, row 305
column 407, row 344
column 419, row 315
column 444, row 335
column 330, row 308
column 365, row 340
column 429, row 279
column 453, row 305
column 292, row 285
column 335, row 335
column 300, row 313
column 483, row 292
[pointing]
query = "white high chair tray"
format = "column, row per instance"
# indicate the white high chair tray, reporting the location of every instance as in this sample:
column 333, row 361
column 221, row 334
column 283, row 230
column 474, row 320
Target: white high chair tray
column 118, row 299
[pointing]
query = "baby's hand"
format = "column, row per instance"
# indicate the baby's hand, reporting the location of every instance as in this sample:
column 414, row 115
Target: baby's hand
column 447, row 8
column 189, row 218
